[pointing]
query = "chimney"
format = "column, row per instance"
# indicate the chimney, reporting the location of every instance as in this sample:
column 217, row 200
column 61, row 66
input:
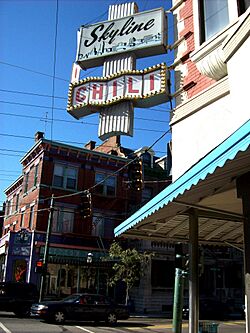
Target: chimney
column 38, row 136
column 90, row 145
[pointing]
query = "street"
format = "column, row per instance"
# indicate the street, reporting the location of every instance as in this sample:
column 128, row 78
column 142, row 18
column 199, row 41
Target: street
column 11, row 324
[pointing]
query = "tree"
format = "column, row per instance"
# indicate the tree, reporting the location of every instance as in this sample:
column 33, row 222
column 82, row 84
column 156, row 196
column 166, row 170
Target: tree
column 128, row 267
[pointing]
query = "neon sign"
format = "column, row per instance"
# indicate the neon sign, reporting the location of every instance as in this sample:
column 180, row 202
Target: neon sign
column 144, row 88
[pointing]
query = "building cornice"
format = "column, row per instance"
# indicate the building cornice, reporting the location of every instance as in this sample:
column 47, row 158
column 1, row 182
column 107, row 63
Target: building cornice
column 73, row 148
column 199, row 101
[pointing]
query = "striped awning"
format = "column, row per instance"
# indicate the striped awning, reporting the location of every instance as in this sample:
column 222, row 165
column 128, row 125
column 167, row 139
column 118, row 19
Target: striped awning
column 210, row 187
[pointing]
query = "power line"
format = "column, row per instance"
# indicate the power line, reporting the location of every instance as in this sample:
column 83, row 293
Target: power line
column 16, row 151
column 31, row 93
column 73, row 121
column 32, row 71
column 56, row 108
column 88, row 123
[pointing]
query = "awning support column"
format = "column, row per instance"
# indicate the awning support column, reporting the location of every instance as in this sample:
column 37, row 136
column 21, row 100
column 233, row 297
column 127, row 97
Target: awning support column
column 243, row 192
column 193, row 272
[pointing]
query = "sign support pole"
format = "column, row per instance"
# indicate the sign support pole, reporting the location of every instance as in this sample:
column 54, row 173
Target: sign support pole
column 118, row 119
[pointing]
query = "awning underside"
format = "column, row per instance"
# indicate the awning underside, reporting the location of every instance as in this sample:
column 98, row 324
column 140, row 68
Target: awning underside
column 215, row 198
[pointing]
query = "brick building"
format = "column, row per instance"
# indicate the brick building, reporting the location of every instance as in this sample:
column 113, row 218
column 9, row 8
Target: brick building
column 52, row 168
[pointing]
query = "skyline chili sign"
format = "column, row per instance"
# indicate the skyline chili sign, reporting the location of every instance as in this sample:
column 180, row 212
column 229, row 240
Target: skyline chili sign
column 142, row 33
column 145, row 88
column 115, row 44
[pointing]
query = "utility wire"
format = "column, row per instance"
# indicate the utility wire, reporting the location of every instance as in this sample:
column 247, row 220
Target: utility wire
column 73, row 121
column 32, row 71
column 56, row 108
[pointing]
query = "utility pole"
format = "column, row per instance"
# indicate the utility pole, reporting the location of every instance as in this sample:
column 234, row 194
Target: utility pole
column 180, row 275
column 46, row 249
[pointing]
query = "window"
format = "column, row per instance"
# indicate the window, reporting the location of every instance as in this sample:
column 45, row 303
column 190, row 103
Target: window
column 65, row 176
column 107, row 186
column 26, row 182
column 22, row 219
column 102, row 226
column 35, row 175
column 31, row 219
column 215, row 17
column 217, row 14
column 63, row 220
column 11, row 206
column 7, row 209
column 17, row 202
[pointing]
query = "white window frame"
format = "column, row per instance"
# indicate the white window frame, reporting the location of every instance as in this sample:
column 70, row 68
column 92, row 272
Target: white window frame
column 233, row 17
column 64, row 176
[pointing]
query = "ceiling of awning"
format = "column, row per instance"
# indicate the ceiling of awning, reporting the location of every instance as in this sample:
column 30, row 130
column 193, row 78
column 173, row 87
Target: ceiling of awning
column 214, row 197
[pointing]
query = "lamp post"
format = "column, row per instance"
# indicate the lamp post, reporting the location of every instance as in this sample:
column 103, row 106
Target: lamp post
column 89, row 262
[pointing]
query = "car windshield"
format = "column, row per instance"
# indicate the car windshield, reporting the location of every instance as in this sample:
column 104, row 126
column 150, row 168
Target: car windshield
column 71, row 299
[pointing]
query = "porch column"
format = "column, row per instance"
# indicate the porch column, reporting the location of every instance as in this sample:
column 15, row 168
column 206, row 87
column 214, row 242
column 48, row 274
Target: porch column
column 243, row 192
column 193, row 272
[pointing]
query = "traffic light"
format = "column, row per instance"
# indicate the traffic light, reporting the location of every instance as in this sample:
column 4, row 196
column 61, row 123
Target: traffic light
column 179, row 257
column 85, row 206
column 39, row 267
column 135, row 174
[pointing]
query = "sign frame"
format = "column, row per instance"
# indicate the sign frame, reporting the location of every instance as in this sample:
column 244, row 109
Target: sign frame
column 110, row 37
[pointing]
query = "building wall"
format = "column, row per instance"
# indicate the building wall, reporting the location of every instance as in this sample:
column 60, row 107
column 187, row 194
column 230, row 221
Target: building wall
column 210, row 102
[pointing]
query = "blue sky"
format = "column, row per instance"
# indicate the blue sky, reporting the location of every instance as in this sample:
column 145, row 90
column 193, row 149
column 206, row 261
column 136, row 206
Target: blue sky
column 27, row 63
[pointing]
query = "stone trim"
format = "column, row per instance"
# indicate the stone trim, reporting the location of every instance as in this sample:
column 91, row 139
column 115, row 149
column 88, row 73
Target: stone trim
column 199, row 101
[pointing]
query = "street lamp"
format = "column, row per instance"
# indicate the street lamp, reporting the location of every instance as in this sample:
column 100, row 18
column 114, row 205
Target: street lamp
column 89, row 262
column 89, row 258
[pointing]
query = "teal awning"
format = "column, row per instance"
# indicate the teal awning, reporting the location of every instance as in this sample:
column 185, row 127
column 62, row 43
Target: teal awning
column 212, row 176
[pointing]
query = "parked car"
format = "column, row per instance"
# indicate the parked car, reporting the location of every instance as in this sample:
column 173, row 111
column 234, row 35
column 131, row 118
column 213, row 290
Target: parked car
column 88, row 307
column 17, row 297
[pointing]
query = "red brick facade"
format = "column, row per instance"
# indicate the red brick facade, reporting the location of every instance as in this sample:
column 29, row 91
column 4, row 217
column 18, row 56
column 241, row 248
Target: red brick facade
column 194, row 79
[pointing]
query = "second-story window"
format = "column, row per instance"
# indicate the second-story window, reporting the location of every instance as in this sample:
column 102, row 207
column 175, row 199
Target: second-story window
column 26, row 182
column 65, row 176
column 215, row 15
column 107, row 185
column 35, row 174
column 17, row 202
column 63, row 220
